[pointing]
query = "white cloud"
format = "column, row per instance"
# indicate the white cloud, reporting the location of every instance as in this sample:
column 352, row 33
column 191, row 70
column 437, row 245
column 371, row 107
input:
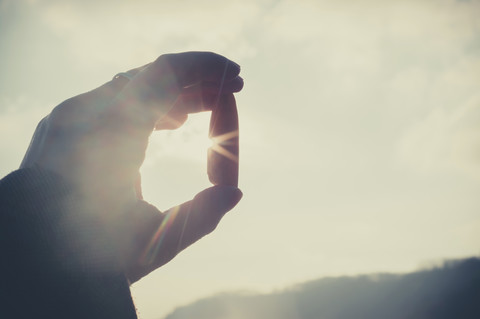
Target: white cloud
column 188, row 143
column 18, row 119
column 445, row 139
column 140, row 31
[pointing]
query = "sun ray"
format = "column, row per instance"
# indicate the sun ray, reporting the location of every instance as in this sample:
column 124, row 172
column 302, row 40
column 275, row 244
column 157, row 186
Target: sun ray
column 222, row 141
column 223, row 151
column 152, row 248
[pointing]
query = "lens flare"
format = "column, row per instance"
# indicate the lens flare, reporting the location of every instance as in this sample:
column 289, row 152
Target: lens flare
column 151, row 251
column 220, row 143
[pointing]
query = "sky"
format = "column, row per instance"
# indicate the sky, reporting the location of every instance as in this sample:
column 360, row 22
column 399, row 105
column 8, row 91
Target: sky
column 359, row 128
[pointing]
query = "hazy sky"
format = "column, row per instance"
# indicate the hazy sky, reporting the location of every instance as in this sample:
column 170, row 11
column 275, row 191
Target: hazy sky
column 360, row 128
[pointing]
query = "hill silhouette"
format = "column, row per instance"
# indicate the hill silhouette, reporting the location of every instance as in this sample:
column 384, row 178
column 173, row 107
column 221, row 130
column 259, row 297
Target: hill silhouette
column 448, row 291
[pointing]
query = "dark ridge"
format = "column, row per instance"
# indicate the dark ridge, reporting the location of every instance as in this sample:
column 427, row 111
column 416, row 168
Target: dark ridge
column 448, row 291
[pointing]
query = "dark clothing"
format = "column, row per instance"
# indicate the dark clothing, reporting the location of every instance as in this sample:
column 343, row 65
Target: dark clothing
column 66, row 257
column 59, row 260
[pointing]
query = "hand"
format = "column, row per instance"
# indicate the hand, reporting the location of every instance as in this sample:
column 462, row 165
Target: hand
column 97, row 140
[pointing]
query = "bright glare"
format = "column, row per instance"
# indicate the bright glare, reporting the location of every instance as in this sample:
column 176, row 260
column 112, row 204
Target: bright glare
column 189, row 142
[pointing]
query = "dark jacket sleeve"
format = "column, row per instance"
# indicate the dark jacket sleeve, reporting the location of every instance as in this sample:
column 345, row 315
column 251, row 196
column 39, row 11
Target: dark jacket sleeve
column 57, row 261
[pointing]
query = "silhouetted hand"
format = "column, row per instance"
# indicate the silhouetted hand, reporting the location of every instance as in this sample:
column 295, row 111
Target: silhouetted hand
column 97, row 141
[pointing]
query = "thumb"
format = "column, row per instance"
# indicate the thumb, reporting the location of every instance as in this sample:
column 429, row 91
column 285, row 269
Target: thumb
column 216, row 201
column 164, row 235
column 200, row 216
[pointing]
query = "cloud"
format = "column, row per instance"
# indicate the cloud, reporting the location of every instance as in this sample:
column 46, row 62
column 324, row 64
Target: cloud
column 140, row 31
column 359, row 69
column 445, row 139
column 18, row 120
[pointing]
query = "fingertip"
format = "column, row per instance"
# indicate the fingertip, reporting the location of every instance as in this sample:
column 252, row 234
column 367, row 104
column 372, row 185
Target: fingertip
column 235, row 85
column 233, row 69
column 219, row 198
column 231, row 193
column 190, row 68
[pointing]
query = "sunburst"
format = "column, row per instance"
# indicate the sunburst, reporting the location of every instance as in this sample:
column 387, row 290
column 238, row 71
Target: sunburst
column 224, row 140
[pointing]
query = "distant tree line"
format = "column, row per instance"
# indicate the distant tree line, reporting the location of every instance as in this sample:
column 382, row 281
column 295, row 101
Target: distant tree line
column 448, row 291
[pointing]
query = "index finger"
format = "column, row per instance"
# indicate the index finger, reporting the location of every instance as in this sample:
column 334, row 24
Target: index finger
column 156, row 87
column 194, row 67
